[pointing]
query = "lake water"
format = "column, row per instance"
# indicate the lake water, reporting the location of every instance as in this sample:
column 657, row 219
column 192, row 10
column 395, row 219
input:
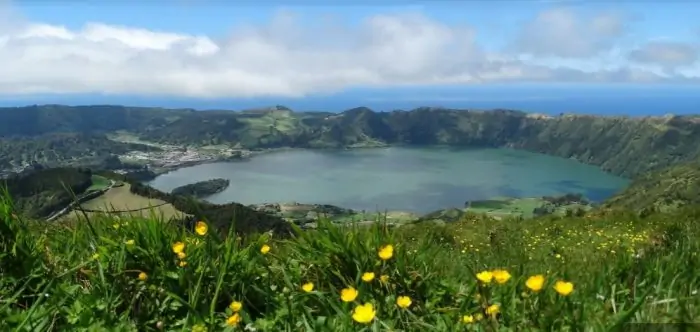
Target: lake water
column 410, row 179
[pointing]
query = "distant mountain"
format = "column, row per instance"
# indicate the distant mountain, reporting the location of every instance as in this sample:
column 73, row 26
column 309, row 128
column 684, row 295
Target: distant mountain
column 622, row 145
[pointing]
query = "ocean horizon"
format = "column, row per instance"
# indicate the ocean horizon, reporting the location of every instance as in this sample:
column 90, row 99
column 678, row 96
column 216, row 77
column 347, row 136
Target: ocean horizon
column 630, row 101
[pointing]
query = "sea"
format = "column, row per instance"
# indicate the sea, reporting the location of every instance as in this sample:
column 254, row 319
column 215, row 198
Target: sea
column 628, row 100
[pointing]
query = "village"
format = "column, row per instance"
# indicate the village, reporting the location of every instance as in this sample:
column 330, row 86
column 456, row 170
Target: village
column 174, row 156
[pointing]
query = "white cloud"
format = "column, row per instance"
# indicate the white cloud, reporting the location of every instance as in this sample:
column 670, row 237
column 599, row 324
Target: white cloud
column 286, row 58
column 563, row 33
column 667, row 54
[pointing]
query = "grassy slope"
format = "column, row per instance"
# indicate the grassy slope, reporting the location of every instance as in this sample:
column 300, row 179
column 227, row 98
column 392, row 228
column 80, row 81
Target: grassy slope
column 121, row 199
column 662, row 190
column 98, row 183
column 504, row 207
column 624, row 269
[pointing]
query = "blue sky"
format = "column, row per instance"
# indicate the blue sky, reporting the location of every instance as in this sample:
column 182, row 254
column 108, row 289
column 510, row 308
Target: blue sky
column 215, row 50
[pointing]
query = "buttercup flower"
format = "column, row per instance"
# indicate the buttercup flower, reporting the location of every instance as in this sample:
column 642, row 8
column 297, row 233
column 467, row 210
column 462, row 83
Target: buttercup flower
column 233, row 320
column 264, row 249
column 535, row 283
column 201, row 228
column 368, row 276
column 364, row 314
column 386, row 252
column 564, row 288
column 181, row 255
column 501, row 276
column 307, row 287
column 485, row 276
column 403, row 302
column 143, row 276
column 467, row 319
column 493, row 310
column 235, row 306
column 348, row 294
column 384, row 278
column 178, row 247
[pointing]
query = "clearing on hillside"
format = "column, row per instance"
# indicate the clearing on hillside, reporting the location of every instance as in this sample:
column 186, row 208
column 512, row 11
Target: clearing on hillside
column 283, row 121
column 503, row 207
column 99, row 183
column 122, row 199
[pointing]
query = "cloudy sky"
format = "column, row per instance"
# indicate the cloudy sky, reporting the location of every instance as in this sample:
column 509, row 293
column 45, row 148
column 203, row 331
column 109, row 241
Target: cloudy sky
column 200, row 49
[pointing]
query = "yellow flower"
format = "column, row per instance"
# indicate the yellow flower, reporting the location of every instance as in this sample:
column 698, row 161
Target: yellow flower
column 348, row 294
column 501, row 276
column 485, row 276
column 264, row 249
column 143, row 276
column 235, row 306
column 129, row 242
column 182, row 263
column 307, row 287
column 535, row 283
column 181, row 255
column 364, row 313
column 233, row 320
column 467, row 319
column 178, row 247
column 403, row 302
column 368, row 276
column 493, row 310
column 201, row 228
column 384, row 278
column 386, row 252
column 564, row 288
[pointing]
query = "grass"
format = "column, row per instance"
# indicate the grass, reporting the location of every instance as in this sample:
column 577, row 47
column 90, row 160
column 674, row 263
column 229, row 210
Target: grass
column 126, row 275
column 512, row 207
column 122, row 199
column 99, row 183
column 280, row 120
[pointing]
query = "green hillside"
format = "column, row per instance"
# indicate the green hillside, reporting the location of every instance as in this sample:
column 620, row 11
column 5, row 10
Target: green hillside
column 661, row 190
column 597, row 273
column 493, row 266
column 624, row 146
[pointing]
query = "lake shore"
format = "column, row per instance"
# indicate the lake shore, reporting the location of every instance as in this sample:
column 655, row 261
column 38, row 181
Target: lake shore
column 419, row 181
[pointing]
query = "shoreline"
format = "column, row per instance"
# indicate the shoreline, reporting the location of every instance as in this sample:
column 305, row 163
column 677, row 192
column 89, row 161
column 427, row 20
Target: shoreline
column 494, row 212
column 249, row 154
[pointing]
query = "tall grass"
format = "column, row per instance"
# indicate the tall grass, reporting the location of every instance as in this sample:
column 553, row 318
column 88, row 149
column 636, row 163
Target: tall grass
column 125, row 274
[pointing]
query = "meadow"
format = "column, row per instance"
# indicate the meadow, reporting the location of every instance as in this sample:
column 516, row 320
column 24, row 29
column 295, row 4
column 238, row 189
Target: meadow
column 604, row 271
column 120, row 198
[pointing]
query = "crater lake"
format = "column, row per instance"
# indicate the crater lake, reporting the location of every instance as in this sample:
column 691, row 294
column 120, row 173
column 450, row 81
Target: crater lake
column 418, row 180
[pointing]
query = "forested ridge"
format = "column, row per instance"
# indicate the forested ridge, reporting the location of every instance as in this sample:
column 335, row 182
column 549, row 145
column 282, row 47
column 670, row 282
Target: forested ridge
column 625, row 146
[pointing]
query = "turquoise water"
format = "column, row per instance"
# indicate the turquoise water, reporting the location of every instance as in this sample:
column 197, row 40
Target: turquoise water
column 410, row 179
